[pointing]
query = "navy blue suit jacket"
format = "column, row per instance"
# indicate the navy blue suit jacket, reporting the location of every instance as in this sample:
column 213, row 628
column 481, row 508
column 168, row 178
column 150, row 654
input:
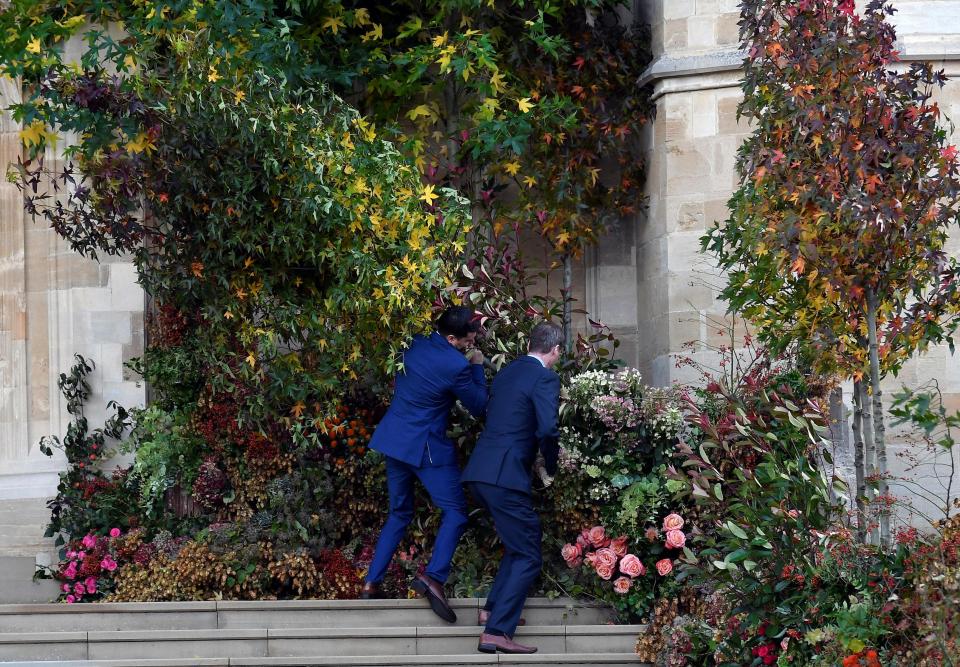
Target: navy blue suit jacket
column 434, row 375
column 521, row 417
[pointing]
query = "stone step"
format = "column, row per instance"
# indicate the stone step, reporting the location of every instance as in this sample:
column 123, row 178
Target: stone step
column 16, row 585
column 302, row 642
column 277, row 614
column 545, row 659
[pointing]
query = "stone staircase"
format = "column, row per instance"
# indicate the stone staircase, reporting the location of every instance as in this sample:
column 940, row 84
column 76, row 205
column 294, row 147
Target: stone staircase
column 300, row 632
column 22, row 547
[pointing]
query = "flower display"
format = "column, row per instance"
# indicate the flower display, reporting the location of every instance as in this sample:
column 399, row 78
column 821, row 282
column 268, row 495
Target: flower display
column 664, row 567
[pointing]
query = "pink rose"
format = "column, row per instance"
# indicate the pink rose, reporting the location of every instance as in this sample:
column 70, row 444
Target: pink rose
column 598, row 537
column 71, row 599
column 619, row 545
column 108, row 564
column 675, row 539
column 631, row 566
column 71, row 571
column 571, row 552
column 605, row 556
column 89, row 541
column 65, row 588
column 114, row 532
column 71, row 555
column 622, row 585
column 91, row 584
column 605, row 571
column 672, row 522
column 79, row 589
column 583, row 539
column 664, row 567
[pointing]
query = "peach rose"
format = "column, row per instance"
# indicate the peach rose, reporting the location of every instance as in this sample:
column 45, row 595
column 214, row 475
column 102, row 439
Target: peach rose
column 583, row 539
column 619, row 545
column 605, row 571
column 605, row 556
column 622, row 585
column 570, row 553
column 664, row 567
column 675, row 539
column 672, row 522
column 598, row 537
column 631, row 566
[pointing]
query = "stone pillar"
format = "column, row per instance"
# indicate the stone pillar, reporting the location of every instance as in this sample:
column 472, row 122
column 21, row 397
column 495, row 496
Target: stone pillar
column 53, row 304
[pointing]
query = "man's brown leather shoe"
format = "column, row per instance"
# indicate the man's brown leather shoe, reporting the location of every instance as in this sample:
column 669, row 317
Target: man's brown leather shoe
column 483, row 616
column 371, row 591
column 433, row 591
column 498, row 644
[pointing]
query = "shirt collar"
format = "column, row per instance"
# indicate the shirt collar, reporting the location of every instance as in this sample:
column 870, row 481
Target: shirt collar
column 539, row 360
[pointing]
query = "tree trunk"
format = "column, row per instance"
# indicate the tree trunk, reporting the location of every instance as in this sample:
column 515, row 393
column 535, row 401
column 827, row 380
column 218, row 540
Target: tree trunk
column 858, row 462
column 870, row 454
column 567, row 303
column 878, row 421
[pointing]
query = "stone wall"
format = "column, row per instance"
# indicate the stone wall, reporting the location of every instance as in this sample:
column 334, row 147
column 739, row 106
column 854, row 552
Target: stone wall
column 53, row 304
column 692, row 152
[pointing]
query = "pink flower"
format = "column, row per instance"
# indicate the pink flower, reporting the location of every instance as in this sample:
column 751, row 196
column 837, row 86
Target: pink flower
column 598, row 537
column 622, row 585
column 672, row 522
column 79, row 589
column 91, row 584
column 631, row 566
column 71, row 571
column 664, row 567
column 619, row 545
column 114, row 532
column 108, row 564
column 71, row 555
column 793, row 514
column 71, row 599
column 65, row 588
column 605, row 556
column 89, row 541
column 651, row 534
column 571, row 553
column 675, row 539
column 605, row 571
column 583, row 539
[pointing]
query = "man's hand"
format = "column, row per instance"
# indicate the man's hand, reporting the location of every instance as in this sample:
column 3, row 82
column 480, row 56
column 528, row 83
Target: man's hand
column 475, row 356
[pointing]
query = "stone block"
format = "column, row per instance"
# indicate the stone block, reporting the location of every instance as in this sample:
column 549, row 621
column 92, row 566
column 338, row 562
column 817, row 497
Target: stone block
column 686, row 326
column 686, row 161
column 602, row 639
column 107, row 327
column 690, row 291
column 111, row 362
column 727, row 114
column 125, row 292
column 703, row 122
column 715, row 210
column 679, row 9
column 683, row 252
column 701, row 32
column 674, row 34
column 57, row 646
column 177, row 644
column 346, row 642
column 616, row 294
column 728, row 30
column 90, row 299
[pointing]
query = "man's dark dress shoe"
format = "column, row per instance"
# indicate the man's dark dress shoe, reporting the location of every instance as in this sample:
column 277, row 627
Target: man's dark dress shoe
column 498, row 644
column 483, row 616
column 371, row 592
column 433, row 591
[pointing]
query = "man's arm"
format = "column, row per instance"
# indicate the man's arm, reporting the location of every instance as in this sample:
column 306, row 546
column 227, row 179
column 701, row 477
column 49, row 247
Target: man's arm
column 470, row 387
column 546, row 404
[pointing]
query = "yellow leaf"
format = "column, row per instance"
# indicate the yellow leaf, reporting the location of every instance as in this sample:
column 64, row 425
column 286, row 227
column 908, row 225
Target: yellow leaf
column 428, row 195
column 524, row 104
column 333, row 24
column 497, row 82
column 361, row 16
column 376, row 33
column 512, row 168
column 529, row 181
column 251, row 359
column 238, row 96
column 212, row 75
column 129, row 61
column 33, row 46
column 298, row 409
column 228, row 315
column 440, row 40
column 140, row 143
column 34, row 133
column 422, row 110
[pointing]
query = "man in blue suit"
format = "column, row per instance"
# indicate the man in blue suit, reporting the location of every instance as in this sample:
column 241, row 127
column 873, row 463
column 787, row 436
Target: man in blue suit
column 521, row 419
column 413, row 437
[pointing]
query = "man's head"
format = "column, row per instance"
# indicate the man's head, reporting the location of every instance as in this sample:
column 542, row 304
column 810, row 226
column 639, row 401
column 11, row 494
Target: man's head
column 459, row 325
column 546, row 340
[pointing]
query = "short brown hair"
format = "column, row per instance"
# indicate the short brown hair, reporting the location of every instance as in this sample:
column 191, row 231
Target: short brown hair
column 545, row 336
